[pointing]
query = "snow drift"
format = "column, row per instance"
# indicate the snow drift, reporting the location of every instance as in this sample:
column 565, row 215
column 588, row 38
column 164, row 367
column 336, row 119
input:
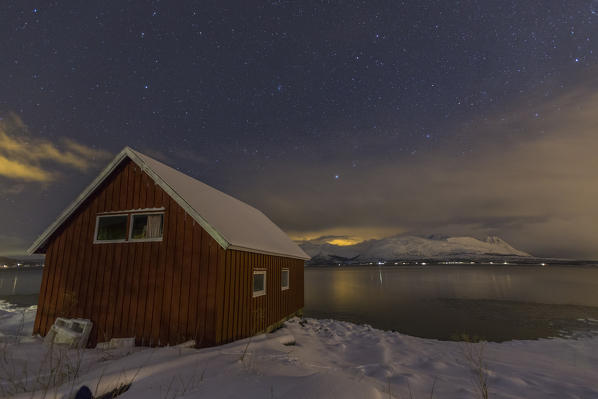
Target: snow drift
column 307, row 359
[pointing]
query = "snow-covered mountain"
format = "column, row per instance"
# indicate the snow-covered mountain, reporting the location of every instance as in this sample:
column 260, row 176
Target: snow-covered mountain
column 408, row 247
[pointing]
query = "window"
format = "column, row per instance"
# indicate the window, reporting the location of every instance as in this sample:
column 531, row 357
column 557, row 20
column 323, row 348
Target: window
column 111, row 228
column 259, row 283
column 284, row 279
column 136, row 225
column 147, row 227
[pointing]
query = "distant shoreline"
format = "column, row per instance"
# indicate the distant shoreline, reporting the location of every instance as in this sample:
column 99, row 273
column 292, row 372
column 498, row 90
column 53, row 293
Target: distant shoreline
column 13, row 268
column 538, row 262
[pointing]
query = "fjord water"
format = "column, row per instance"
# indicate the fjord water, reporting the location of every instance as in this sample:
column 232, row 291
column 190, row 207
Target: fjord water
column 490, row 302
column 20, row 286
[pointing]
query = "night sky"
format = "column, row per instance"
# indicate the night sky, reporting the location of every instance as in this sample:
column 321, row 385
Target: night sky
column 344, row 119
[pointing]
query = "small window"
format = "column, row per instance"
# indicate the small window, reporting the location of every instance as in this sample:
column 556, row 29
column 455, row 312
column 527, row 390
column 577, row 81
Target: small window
column 147, row 227
column 284, row 279
column 111, row 228
column 259, row 283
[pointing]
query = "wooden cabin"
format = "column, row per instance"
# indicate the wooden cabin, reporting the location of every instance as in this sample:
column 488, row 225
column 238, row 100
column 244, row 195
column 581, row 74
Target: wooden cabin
column 149, row 252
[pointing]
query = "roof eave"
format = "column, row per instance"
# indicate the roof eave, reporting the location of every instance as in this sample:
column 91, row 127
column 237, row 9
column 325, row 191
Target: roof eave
column 216, row 235
column 41, row 240
column 257, row 251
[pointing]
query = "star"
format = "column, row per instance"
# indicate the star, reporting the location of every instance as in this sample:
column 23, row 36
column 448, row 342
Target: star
column 315, row 89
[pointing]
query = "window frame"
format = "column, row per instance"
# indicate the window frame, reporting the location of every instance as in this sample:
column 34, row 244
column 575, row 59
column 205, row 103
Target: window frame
column 263, row 292
column 95, row 233
column 130, row 234
column 282, row 287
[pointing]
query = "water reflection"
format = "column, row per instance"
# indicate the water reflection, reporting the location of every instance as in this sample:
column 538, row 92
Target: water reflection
column 20, row 286
column 494, row 302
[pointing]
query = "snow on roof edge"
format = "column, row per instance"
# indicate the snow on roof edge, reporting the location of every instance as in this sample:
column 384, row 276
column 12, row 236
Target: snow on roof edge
column 42, row 238
column 259, row 251
column 138, row 159
column 234, row 241
column 215, row 234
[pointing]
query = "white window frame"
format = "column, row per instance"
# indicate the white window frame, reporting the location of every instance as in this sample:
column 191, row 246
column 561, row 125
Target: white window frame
column 261, row 292
column 282, row 287
column 130, row 235
column 95, row 233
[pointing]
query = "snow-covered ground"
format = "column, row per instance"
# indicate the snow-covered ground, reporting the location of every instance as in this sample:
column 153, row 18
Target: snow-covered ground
column 15, row 319
column 305, row 359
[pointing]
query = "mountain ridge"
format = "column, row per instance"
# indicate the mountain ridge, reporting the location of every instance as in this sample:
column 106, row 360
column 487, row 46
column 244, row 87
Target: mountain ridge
column 404, row 247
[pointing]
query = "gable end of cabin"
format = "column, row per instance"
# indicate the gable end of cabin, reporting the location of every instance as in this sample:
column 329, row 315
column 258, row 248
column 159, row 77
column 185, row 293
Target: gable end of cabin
column 135, row 263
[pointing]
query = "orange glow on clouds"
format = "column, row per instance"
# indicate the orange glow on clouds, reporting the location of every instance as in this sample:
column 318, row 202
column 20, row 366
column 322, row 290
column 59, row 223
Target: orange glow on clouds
column 25, row 158
column 343, row 236
column 343, row 242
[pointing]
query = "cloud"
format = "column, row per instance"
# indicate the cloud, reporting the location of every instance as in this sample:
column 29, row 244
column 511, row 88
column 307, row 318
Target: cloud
column 348, row 233
column 531, row 180
column 23, row 171
column 24, row 158
column 335, row 240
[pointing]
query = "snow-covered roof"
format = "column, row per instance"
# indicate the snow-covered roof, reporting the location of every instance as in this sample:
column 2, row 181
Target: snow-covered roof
column 232, row 223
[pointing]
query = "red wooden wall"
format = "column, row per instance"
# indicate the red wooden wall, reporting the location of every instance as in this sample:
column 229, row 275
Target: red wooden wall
column 244, row 315
column 184, row 287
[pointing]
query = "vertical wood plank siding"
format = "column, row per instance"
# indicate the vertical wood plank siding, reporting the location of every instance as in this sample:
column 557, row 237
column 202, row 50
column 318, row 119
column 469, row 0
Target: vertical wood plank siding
column 162, row 293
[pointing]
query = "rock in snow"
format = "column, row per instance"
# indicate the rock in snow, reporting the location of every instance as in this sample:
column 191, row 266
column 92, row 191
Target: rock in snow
column 409, row 247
